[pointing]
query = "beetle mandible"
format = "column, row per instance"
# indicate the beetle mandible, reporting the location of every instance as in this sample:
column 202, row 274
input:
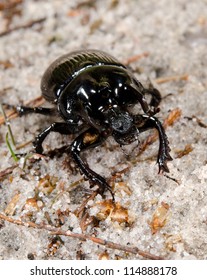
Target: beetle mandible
column 92, row 93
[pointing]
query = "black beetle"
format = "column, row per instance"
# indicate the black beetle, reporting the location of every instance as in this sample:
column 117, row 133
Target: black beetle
column 93, row 92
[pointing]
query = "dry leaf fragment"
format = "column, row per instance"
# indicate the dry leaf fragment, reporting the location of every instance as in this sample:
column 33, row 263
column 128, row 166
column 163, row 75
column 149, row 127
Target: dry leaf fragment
column 114, row 211
column 104, row 256
column 47, row 184
column 11, row 206
column 159, row 218
column 171, row 241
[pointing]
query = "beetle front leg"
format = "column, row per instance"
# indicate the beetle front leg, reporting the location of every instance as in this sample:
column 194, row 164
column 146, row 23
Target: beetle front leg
column 164, row 149
column 62, row 128
column 88, row 139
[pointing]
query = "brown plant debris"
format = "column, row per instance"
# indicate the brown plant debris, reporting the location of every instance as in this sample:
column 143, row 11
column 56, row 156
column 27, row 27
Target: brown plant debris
column 83, row 237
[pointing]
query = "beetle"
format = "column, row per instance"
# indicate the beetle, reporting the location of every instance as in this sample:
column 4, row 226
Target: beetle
column 93, row 92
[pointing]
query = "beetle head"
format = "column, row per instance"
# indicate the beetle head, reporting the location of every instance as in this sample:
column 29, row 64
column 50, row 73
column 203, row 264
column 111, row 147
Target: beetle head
column 121, row 122
column 122, row 126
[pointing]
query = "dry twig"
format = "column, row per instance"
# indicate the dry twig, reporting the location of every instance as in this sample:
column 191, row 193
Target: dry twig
column 7, row 171
column 83, row 237
column 23, row 26
column 162, row 80
column 134, row 58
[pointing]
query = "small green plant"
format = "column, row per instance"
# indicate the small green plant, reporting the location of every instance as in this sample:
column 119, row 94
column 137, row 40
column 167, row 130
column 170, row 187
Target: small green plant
column 9, row 135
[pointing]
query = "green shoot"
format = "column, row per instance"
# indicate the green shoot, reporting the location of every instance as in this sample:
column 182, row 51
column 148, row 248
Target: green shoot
column 10, row 148
column 8, row 125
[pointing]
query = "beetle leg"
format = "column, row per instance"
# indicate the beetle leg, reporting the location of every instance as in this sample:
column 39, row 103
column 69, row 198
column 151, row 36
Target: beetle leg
column 24, row 110
column 89, row 138
column 140, row 92
column 156, row 96
column 144, row 104
column 60, row 127
column 164, row 149
column 154, row 102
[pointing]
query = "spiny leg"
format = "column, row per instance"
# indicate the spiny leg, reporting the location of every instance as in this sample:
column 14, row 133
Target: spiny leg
column 89, row 138
column 62, row 128
column 164, row 149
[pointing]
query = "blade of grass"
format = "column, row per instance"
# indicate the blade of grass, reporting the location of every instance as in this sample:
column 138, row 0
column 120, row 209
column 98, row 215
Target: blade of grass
column 10, row 148
column 8, row 125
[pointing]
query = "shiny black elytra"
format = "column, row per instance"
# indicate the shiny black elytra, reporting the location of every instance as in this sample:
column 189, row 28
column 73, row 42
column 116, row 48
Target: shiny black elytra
column 93, row 93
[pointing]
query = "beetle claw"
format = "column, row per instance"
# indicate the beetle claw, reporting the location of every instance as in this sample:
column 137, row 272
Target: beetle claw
column 38, row 147
column 163, row 165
